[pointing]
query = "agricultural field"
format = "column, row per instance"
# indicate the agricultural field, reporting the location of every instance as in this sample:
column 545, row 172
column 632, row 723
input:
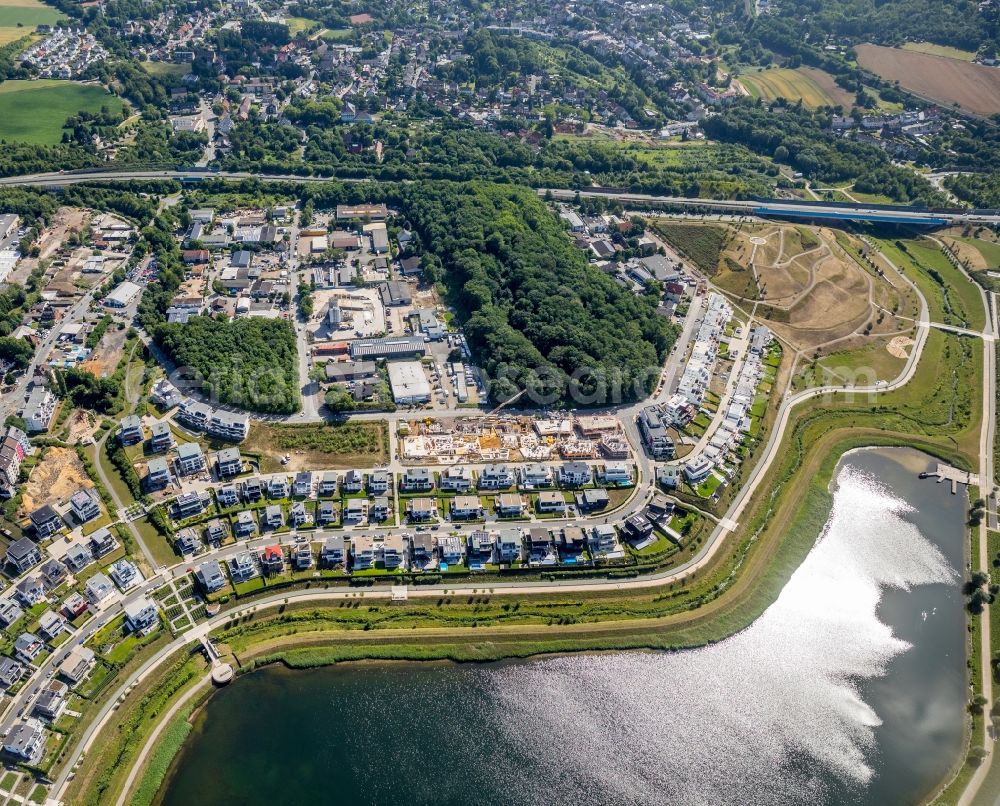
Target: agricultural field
column 940, row 50
column 814, row 87
column 702, row 244
column 974, row 87
column 35, row 111
column 18, row 18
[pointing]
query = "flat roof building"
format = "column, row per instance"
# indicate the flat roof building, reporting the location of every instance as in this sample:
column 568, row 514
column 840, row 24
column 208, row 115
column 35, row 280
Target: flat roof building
column 409, row 383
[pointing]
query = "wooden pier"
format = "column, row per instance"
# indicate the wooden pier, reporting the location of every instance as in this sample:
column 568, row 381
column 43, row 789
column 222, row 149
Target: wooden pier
column 943, row 472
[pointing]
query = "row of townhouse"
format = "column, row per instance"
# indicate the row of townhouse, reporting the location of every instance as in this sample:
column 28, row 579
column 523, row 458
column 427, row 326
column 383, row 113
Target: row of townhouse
column 460, row 478
column 701, row 363
column 227, row 425
column 420, row 551
column 14, row 448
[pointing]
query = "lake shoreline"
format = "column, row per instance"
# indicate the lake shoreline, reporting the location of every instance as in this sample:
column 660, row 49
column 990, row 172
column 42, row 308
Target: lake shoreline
column 292, row 660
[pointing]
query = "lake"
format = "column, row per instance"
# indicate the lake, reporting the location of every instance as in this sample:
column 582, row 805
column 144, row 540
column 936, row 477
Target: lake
column 849, row 688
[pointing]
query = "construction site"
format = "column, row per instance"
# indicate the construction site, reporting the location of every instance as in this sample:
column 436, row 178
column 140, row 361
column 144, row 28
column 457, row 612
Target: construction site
column 511, row 438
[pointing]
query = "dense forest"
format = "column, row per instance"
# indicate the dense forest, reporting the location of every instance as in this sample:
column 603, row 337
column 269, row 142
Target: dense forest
column 537, row 315
column 958, row 23
column 250, row 363
column 797, row 137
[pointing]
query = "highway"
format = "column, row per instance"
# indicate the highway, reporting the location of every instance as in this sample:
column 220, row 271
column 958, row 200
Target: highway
column 771, row 207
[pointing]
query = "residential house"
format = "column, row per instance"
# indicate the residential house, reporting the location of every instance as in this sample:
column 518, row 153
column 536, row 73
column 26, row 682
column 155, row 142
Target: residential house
column 618, row 474
column 604, row 539
column 228, row 425
column 273, row 518
column 76, row 666
column 10, row 672
column 378, row 482
column 326, row 513
column 592, row 499
column 39, row 409
column 457, row 477
column 228, row 462
column 298, row 515
column 393, row 551
column 451, row 551
column 26, row 741
column 157, row 473
column 363, row 551
column 77, row 556
column 417, row 479
column 227, row 495
column 216, row 531
column 188, row 504
column 355, row 510
column 85, row 505
column 253, row 490
column 653, row 428
column 570, row 542
column 242, row 567
column 27, row 647
column 466, row 506
column 51, row 625
column 186, row 541
column 190, row 458
column 332, row 552
column 102, row 543
column 45, row 521
column 479, row 548
column 551, row 501
column 637, row 528
column 161, row 438
column 272, row 560
column 210, row 576
column 30, row 591
column 23, row 554
column 421, row 550
column 10, row 612
column 509, row 545
column 277, row 487
column 125, row 573
column 51, row 701
column 193, row 414
column 303, row 484
column 354, row 482
column 509, row 505
column 74, row 605
column 422, row 509
column 302, row 556
column 328, row 483
column 141, row 616
column 378, row 510
column 536, row 475
column 540, row 547
column 575, row 474
column 496, row 477
column 130, row 431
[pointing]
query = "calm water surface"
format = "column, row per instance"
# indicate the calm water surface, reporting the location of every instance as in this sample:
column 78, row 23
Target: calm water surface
column 849, row 689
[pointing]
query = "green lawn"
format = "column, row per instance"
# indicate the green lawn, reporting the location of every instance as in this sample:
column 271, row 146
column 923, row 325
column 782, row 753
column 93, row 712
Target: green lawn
column 35, row 111
column 989, row 250
column 165, row 68
column 951, row 299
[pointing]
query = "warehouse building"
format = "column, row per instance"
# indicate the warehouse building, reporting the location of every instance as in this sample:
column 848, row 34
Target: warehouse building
column 409, row 383
column 123, row 296
column 404, row 347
